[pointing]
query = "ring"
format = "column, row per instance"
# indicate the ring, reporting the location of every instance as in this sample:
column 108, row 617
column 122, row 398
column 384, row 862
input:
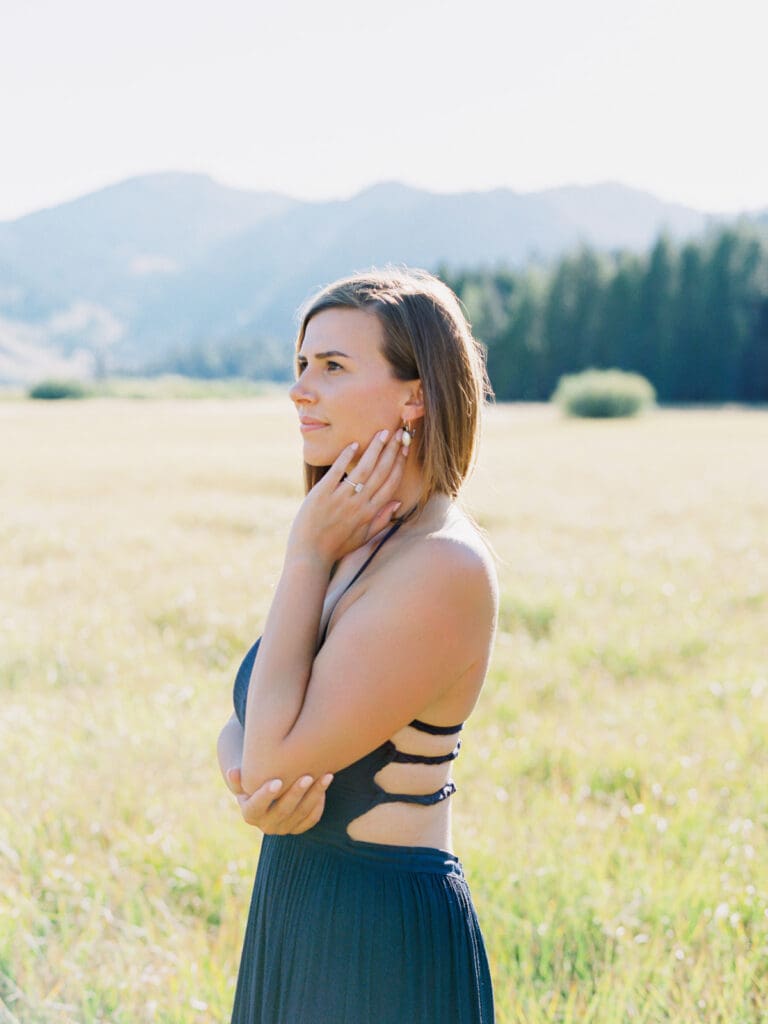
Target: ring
column 357, row 487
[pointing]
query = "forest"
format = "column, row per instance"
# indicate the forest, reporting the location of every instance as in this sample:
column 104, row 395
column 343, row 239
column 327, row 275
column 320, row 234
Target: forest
column 692, row 318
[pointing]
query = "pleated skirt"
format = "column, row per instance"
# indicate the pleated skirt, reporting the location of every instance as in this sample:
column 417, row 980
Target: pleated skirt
column 347, row 932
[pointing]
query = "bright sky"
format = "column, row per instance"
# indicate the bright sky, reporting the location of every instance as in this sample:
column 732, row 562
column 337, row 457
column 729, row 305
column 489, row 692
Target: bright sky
column 320, row 98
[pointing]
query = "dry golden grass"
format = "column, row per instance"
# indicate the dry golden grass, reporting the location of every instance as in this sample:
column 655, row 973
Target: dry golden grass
column 613, row 797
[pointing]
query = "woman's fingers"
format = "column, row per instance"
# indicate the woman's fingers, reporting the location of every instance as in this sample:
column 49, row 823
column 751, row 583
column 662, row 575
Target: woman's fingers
column 339, row 466
column 379, row 464
column 382, row 486
column 309, row 811
column 296, row 810
column 388, row 471
column 255, row 806
column 370, row 457
column 234, row 781
column 383, row 519
column 352, row 503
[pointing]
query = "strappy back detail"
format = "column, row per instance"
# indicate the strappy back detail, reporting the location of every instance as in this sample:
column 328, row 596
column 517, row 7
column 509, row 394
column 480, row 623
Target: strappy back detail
column 396, row 756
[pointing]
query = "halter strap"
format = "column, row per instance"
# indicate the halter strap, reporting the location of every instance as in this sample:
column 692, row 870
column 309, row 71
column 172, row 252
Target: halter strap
column 360, row 571
column 370, row 558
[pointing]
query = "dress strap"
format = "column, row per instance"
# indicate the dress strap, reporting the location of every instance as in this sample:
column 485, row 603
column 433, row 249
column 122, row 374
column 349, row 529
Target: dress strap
column 403, row 758
column 426, row 799
column 395, row 526
column 370, row 558
column 436, row 730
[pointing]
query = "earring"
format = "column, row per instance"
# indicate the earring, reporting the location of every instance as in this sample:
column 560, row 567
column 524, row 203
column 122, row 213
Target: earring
column 409, row 432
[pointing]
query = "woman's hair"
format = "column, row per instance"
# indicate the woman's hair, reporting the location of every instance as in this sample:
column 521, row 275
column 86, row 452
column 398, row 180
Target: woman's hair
column 426, row 337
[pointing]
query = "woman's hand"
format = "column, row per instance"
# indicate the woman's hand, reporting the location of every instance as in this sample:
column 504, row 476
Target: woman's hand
column 293, row 812
column 341, row 512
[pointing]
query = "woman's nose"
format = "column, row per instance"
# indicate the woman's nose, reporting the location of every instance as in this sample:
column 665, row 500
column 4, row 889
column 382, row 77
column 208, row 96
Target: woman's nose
column 299, row 393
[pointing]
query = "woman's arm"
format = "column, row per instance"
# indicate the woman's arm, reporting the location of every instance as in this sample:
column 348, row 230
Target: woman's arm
column 419, row 631
column 273, row 812
column 333, row 520
column 423, row 628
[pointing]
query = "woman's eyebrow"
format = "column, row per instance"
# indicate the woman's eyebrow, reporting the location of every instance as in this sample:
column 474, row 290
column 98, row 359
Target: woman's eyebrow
column 331, row 352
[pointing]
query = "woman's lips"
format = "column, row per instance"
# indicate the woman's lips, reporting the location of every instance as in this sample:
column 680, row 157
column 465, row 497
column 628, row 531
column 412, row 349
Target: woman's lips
column 306, row 425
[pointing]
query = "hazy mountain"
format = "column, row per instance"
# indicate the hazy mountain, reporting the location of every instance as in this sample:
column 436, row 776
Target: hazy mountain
column 598, row 212
column 165, row 260
column 105, row 245
column 257, row 279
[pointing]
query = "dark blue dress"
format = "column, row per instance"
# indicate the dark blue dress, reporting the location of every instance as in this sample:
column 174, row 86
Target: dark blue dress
column 342, row 931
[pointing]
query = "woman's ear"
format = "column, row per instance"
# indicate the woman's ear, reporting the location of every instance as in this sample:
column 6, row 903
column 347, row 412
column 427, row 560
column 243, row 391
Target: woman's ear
column 413, row 407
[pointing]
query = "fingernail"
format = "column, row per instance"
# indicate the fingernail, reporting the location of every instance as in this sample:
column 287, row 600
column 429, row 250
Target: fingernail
column 305, row 781
column 274, row 785
column 384, row 435
column 354, row 446
column 326, row 780
column 399, row 434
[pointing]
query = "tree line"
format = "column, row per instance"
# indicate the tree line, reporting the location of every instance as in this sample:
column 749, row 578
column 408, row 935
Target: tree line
column 692, row 318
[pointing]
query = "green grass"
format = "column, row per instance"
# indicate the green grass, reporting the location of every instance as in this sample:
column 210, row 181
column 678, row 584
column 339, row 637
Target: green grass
column 613, row 794
column 163, row 386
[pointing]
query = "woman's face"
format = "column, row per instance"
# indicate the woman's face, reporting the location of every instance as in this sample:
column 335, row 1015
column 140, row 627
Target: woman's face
column 345, row 389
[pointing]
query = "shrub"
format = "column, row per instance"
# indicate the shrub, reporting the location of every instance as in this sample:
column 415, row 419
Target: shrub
column 57, row 389
column 603, row 393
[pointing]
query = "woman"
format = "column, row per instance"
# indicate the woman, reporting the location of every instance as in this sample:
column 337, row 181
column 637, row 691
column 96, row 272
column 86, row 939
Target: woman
column 373, row 655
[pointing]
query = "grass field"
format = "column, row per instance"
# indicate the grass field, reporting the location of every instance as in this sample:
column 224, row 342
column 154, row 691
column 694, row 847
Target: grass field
column 613, row 786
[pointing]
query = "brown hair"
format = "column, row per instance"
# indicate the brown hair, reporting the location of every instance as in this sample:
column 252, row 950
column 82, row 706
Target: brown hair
column 427, row 338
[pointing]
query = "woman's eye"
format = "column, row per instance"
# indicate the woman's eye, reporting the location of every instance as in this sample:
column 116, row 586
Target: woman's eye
column 330, row 364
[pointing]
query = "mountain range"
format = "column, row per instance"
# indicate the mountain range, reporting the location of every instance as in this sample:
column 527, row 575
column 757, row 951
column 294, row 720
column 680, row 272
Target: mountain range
column 118, row 278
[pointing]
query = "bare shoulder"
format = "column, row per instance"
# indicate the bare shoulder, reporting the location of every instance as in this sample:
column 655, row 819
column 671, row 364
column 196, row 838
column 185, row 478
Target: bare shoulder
column 457, row 546
column 419, row 629
column 448, row 586
column 452, row 566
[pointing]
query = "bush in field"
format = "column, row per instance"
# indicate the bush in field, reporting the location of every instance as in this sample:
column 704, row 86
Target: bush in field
column 57, row 389
column 603, row 393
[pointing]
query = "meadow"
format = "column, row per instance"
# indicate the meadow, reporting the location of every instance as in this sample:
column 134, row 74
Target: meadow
column 612, row 802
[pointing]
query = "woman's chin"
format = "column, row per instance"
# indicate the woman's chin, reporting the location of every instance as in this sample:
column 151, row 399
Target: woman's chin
column 317, row 454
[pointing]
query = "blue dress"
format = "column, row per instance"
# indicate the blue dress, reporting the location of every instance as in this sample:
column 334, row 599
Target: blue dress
column 342, row 931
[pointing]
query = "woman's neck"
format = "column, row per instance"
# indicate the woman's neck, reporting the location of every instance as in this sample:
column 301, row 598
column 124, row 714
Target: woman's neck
column 410, row 494
column 410, row 491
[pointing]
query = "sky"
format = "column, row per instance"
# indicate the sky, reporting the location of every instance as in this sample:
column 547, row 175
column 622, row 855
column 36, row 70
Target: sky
column 321, row 99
